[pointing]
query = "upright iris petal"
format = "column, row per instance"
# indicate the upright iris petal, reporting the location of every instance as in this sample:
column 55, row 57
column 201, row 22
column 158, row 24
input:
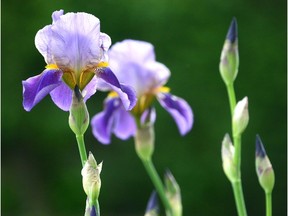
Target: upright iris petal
column 74, row 50
column 134, row 64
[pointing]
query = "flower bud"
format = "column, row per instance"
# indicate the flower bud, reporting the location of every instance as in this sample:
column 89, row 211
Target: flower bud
column 152, row 206
column 240, row 117
column 229, row 61
column 145, row 137
column 91, row 179
column 90, row 210
column 79, row 116
column 227, row 153
column 264, row 167
column 173, row 193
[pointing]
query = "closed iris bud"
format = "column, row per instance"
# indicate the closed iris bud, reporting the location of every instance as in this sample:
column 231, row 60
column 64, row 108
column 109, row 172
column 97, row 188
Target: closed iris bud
column 152, row 206
column 173, row 193
column 145, row 136
column 91, row 179
column 240, row 117
column 79, row 116
column 229, row 61
column 264, row 167
column 227, row 153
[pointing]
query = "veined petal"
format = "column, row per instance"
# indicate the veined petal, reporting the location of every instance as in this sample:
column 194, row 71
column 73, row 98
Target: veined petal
column 90, row 88
column 126, row 93
column 42, row 43
column 135, row 65
column 125, row 125
column 75, row 41
column 179, row 110
column 37, row 87
column 105, row 41
column 102, row 123
column 56, row 15
column 62, row 96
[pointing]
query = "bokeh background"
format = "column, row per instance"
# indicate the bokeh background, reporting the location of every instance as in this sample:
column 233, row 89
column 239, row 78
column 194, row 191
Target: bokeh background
column 40, row 159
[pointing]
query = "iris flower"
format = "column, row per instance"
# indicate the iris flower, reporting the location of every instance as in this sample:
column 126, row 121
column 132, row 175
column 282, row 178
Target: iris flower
column 75, row 52
column 134, row 63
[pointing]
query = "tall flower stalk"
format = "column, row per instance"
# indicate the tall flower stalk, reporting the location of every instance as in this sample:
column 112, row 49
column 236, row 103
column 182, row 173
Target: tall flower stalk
column 134, row 64
column 265, row 174
column 75, row 52
column 231, row 154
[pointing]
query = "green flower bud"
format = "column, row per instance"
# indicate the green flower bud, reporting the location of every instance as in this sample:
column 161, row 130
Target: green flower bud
column 173, row 193
column 227, row 153
column 90, row 210
column 91, row 179
column 264, row 167
column 145, row 137
column 229, row 61
column 79, row 116
column 240, row 117
column 152, row 206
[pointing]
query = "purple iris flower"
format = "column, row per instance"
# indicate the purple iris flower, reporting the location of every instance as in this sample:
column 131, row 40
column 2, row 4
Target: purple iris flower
column 75, row 52
column 134, row 62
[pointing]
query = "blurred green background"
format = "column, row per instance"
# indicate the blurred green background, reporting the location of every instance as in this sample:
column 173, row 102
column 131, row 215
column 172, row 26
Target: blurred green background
column 40, row 159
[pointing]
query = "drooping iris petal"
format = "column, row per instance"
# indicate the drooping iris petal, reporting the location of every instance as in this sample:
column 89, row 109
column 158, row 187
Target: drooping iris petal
column 124, row 126
column 90, row 88
column 62, row 96
column 102, row 123
column 126, row 93
column 37, row 87
column 179, row 110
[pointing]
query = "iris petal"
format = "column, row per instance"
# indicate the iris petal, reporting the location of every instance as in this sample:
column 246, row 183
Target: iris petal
column 90, row 88
column 56, row 15
column 134, row 64
column 75, row 41
column 125, row 125
column 126, row 93
column 179, row 109
column 62, row 96
column 37, row 87
column 102, row 123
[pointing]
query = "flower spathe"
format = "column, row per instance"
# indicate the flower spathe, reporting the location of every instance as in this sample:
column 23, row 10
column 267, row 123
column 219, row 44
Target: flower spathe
column 74, row 50
column 134, row 63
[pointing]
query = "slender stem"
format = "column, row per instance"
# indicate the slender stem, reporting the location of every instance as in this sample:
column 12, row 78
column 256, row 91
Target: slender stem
column 82, row 149
column 232, row 98
column 236, row 185
column 268, row 197
column 237, row 154
column 148, row 164
column 239, row 199
column 83, row 155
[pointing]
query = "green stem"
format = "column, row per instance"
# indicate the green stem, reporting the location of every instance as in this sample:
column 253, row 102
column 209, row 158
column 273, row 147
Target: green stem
column 236, row 185
column 82, row 149
column 237, row 154
column 83, row 156
column 239, row 198
column 268, row 197
column 148, row 164
column 232, row 98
